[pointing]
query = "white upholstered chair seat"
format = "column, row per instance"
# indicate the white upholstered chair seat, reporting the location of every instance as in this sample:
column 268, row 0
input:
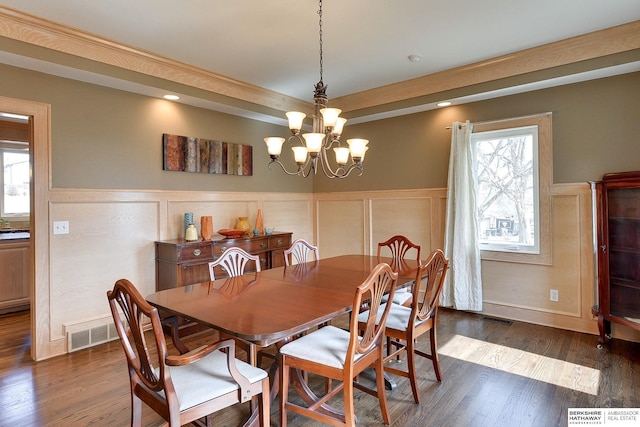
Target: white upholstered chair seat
column 327, row 346
column 398, row 317
column 208, row 378
column 401, row 297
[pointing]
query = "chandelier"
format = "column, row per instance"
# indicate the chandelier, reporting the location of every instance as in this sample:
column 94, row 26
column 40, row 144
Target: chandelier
column 309, row 149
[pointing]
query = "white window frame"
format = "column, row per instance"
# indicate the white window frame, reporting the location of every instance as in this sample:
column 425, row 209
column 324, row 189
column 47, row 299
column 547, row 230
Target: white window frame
column 11, row 147
column 532, row 132
column 542, row 253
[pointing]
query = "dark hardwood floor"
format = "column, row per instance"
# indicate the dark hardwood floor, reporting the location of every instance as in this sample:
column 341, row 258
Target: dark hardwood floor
column 495, row 373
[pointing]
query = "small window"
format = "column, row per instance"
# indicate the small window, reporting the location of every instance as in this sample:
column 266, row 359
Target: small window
column 15, row 198
column 514, row 174
column 507, row 203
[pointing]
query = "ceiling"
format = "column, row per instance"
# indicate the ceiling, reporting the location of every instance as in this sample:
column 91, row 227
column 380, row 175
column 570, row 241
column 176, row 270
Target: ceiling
column 274, row 44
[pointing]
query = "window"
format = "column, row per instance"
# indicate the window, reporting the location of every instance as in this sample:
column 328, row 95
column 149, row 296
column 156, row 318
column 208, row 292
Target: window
column 513, row 170
column 15, row 182
column 507, row 203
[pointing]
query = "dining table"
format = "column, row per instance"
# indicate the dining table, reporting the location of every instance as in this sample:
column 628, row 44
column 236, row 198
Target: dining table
column 275, row 305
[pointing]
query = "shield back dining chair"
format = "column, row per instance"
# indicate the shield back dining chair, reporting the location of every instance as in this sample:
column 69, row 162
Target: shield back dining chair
column 406, row 324
column 342, row 355
column 400, row 248
column 234, row 261
column 300, row 252
column 180, row 388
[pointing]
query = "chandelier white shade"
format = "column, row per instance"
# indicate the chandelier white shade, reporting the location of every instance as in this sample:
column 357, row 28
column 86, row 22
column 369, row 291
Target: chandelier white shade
column 315, row 147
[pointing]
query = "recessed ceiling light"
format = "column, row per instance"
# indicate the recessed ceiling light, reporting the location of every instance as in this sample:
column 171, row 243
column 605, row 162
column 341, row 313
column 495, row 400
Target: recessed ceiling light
column 414, row 57
column 171, row 97
column 443, row 104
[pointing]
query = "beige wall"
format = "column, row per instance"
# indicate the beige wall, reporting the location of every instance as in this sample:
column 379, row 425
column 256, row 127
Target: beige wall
column 595, row 130
column 110, row 139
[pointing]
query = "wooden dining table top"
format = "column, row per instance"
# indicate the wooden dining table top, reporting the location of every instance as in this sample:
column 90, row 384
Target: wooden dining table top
column 266, row 307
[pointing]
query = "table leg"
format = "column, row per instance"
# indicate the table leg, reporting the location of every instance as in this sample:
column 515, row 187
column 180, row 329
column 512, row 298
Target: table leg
column 389, row 383
column 299, row 385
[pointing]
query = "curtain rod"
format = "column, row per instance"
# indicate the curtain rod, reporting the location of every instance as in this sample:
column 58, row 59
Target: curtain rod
column 501, row 120
column 459, row 126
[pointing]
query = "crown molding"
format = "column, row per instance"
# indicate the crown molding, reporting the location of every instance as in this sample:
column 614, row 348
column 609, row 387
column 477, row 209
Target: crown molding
column 23, row 27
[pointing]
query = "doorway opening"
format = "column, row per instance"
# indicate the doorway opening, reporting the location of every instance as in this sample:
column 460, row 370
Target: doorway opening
column 15, row 207
column 39, row 123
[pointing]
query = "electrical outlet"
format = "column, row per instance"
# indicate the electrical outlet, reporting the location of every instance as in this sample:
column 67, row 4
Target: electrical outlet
column 60, row 227
column 553, row 295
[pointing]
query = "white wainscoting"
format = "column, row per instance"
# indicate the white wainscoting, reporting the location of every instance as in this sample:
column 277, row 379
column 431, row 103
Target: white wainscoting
column 112, row 234
column 356, row 221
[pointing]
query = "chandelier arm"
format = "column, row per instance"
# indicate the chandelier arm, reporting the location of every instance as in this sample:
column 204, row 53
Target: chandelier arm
column 297, row 137
column 352, row 167
column 313, row 168
column 279, row 163
column 341, row 172
column 331, row 140
column 326, row 166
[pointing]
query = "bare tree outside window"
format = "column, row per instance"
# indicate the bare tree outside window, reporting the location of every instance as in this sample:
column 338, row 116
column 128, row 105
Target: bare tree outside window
column 507, row 177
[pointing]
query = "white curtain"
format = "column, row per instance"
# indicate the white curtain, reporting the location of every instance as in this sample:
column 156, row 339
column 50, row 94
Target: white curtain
column 463, row 286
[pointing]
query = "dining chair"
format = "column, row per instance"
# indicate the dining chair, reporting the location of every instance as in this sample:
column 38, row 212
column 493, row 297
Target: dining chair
column 406, row 324
column 233, row 261
column 180, row 388
column 400, row 246
column 342, row 355
column 300, row 251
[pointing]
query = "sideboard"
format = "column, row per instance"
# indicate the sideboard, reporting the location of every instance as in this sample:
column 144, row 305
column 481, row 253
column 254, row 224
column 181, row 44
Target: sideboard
column 180, row 263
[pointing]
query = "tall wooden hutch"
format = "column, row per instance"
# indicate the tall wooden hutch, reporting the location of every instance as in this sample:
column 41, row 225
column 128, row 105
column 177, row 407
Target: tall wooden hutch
column 617, row 210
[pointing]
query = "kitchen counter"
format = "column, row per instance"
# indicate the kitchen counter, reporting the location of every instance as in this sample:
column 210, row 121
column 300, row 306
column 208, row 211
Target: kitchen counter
column 13, row 236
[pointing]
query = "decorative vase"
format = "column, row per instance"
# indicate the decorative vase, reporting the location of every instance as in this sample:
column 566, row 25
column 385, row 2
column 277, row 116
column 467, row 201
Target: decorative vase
column 259, row 222
column 192, row 234
column 188, row 219
column 243, row 224
column 206, row 228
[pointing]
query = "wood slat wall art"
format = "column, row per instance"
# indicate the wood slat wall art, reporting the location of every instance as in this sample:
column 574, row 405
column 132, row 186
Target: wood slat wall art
column 192, row 154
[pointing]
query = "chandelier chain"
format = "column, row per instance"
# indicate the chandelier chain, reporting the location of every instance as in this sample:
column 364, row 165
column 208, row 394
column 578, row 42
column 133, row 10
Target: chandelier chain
column 320, row 34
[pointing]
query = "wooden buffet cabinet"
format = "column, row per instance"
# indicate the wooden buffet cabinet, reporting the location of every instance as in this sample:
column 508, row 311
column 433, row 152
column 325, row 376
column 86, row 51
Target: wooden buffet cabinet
column 180, row 263
column 617, row 210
